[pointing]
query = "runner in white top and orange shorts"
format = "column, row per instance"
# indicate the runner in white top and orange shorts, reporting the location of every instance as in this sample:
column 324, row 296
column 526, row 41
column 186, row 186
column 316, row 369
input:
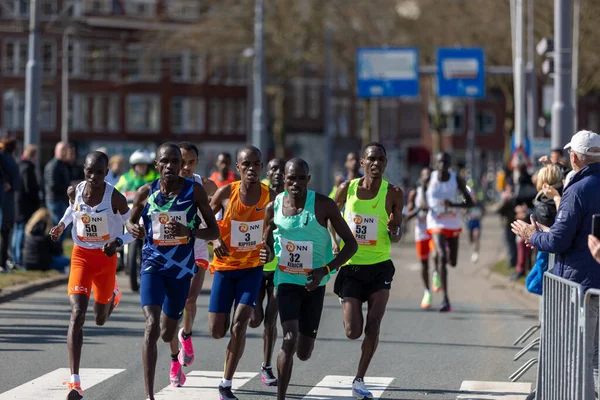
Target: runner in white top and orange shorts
column 444, row 222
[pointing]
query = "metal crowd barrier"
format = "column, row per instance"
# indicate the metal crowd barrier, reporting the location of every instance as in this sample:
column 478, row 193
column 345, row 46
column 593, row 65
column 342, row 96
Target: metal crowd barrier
column 589, row 322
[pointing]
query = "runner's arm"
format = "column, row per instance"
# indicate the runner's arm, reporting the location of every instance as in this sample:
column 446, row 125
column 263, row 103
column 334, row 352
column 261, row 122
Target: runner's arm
column 211, row 231
column 462, row 186
column 222, row 194
column 133, row 223
column 67, row 218
column 267, row 253
column 120, row 206
column 340, row 201
column 395, row 221
column 411, row 208
column 209, row 186
column 341, row 228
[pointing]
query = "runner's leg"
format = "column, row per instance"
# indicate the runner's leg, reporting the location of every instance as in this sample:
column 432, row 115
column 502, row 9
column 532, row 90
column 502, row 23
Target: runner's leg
column 79, row 304
column 442, row 259
column 353, row 317
column 285, row 359
column 453, row 247
column 377, row 304
column 270, row 332
column 258, row 314
column 237, row 343
column 150, row 349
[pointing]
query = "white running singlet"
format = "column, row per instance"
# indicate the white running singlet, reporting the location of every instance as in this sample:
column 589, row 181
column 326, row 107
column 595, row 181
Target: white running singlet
column 94, row 226
column 440, row 216
column 421, row 223
column 200, row 247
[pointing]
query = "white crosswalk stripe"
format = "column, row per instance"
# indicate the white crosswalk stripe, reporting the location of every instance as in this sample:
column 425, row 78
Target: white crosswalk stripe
column 203, row 385
column 477, row 390
column 340, row 387
column 50, row 386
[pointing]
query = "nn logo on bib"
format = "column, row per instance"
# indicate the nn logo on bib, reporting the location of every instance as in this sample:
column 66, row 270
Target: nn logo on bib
column 86, row 219
column 163, row 218
column 243, row 228
column 358, row 219
column 290, row 247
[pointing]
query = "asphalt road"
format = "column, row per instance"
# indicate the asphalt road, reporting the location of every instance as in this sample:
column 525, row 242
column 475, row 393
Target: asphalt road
column 423, row 354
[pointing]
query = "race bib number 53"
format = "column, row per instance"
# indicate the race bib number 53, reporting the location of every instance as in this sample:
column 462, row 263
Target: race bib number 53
column 92, row 228
column 159, row 220
column 364, row 228
column 246, row 236
column 296, row 257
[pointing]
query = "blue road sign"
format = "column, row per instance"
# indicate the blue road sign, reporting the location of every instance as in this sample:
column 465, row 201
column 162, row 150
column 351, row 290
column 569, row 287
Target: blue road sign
column 387, row 72
column 461, row 72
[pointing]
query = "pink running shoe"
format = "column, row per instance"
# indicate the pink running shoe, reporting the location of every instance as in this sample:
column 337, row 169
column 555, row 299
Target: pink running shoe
column 177, row 377
column 186, row 354
column 118, row 295
column 75, row 392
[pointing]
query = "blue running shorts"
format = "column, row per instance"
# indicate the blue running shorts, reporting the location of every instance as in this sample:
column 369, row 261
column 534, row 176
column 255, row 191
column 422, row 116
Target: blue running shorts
column 239, row 286
column 170, row 293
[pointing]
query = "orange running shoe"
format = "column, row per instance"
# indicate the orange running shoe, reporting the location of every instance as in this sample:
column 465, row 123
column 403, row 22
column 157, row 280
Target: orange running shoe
column 75, row 391
column 118, row 295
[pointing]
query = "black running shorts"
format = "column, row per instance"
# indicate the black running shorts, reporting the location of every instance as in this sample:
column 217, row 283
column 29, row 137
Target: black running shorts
column 360, row 281
column 268, row 280
column 297, row 303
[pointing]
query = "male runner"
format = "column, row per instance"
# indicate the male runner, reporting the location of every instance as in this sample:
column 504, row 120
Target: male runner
column 170, row 218
column 185, row 356
column 274, row 178
column 352, row 166
column 224, row 175
column 98, row 211
column 373, row 210
column 417, row 207
column 474, row 215
column 237, row 267
column 297, row 230
column 443, row 221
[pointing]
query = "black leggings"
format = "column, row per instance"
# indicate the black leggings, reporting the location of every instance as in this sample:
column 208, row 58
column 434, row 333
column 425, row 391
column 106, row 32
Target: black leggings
column 6, row 232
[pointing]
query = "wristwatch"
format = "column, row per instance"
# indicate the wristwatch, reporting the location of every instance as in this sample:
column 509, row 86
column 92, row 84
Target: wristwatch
column 119, row 242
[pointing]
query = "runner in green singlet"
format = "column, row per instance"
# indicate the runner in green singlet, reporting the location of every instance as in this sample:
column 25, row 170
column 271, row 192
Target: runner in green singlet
column 373, row 210
column 297, row 231
column 267, row 289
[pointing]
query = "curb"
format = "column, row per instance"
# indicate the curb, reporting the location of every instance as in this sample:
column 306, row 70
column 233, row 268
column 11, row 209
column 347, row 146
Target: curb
column 18, row 291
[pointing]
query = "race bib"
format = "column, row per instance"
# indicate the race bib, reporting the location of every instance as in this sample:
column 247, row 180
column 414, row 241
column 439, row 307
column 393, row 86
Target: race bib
column 445, row 213
column 475, row 213
column 92, row 228
column 246, row 236
column 159, row 220
column 296, row 257
column 364, row 228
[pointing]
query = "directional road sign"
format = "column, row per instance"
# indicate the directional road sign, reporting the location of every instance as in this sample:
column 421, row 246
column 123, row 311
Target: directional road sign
column 461, row 72
column 388, row 72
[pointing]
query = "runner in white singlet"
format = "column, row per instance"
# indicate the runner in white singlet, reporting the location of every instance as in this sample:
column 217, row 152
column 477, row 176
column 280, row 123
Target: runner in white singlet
column 444, row 222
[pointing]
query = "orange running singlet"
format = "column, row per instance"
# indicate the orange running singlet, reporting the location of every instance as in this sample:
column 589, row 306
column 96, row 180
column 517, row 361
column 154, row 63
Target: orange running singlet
column 242, row 230
column 216, row 175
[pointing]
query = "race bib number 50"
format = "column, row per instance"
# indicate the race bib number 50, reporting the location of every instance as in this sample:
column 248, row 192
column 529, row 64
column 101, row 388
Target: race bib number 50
column 92, row 228
column 364, row 228
column 246, row 236
column 159, row 220
column 296, row 257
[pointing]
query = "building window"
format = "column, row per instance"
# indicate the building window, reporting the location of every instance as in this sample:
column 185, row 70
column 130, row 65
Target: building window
column 114, row 62
column 298, row 89
column 77, row 63
column 79, row 112
column 114, row 113
column 188, row 114
column 186, row 10
column 216, row 106
column 48, row 58
column 143, row 64
column 143, row 113
column 229, row 123
column 48, row 112
column 10, row 57
column 486, row 122
column 96, row 56
column 242, row 117
column 98, row 117
column 14, row 110
column 140, row 8
column 49, row 9
column 314, row 99
column 99, row 7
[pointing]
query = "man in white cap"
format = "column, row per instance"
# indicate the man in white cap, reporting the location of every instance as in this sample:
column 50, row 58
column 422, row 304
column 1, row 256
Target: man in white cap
column 568, row 237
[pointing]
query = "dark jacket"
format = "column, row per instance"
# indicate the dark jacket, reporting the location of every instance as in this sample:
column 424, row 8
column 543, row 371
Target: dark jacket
column 57, row 178
column 545, row 208
column 38, row 249
column 568, row 237
column 27, row 198
column 14, row 179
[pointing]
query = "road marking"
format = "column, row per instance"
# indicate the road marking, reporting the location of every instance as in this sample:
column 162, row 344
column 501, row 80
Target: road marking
column 414, row 267
column 340, row 387
column 203, row 385
column 50, row 387
column 494, row 390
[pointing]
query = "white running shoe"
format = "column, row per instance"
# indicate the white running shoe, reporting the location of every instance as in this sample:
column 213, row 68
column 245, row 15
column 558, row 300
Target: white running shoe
column 475, row 257
column 360, row 391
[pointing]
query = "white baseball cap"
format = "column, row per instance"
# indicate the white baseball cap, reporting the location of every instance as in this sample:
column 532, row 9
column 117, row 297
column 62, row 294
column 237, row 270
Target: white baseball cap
column 583, row 141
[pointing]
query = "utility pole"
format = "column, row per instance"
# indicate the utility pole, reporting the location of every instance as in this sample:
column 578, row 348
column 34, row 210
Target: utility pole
column 575, row 74
column 471, row 140
column 258, row 113
column 532, row 95
column 562, row 108
column 519, row 75
column 64, row 126
column 33, row 82
column 328, row 137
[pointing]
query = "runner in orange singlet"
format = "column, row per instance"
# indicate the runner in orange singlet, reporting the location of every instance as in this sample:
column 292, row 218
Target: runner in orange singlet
column 224, row 175
column 237, row 267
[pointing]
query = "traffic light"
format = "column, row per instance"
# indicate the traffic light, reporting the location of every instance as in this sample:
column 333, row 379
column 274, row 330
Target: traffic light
column 545, row 48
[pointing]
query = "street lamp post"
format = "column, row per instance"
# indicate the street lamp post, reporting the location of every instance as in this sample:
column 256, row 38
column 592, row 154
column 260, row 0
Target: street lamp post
column 33, row 81
column 258, row 81
column 64, row 131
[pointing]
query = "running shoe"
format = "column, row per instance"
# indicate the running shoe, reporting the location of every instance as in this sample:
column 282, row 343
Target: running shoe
column 225, row 393
column 475, row 257
column 75, row 391
column 426, row 302
column 266, row 374
column 186, row 355
column 360, row 391
column 445, row 307
column 436, row 282
column 118, row 295
column 177, row 377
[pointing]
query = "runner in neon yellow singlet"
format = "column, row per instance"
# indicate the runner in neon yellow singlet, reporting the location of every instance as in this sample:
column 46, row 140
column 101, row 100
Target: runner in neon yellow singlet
column 373, row 210
column 297, row 231
column 274, row 179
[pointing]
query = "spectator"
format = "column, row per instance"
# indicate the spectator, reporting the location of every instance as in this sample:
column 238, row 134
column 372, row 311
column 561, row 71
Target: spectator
column 525, row 194
column 506, row 208
column 116, row 166
column 224, row 175
column 75, row 169
column 40, row 252
column 568, row 237
column 27, row 201
column 57, row 178
column 11, row 185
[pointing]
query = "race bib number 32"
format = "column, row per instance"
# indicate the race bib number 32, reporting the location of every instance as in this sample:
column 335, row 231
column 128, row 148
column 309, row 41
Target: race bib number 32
column 296, row 257
column 246, row 236
column 92, row 228
column 364, row 228
column 159, row 220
